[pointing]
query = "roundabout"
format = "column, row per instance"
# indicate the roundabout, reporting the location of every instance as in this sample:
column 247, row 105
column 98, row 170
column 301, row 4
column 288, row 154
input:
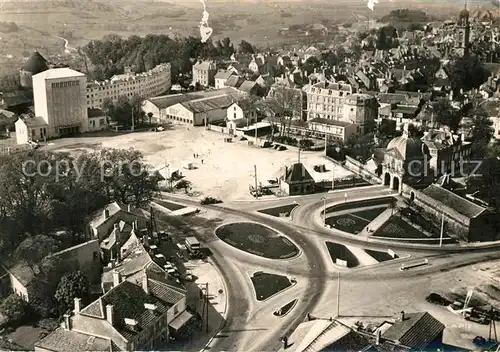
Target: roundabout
column 257, row 239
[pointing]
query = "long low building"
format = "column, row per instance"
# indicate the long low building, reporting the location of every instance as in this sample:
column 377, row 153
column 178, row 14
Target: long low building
column 160, row 107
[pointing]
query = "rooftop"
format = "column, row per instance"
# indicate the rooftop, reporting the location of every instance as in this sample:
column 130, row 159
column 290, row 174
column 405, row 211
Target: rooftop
column 57, row 73
column 210, row 103
column 93, row 112
column 35, row 64
column 453, row 201
column 416, row 331
column 63, row 340
column 330, row 122
column 297, row 173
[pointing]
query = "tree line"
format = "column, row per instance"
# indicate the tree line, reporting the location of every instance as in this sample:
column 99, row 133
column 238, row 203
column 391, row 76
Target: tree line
column 112, row 53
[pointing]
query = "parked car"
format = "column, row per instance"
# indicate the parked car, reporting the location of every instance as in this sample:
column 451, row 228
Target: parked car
column 210, row 200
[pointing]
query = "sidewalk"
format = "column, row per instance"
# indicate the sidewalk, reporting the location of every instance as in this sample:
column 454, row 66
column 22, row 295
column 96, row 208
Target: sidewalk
column 378, row 222
column 207, row 273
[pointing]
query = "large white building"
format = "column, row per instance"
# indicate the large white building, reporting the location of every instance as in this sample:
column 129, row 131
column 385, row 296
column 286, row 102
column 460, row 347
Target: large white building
column 145, row 85
column 60, row 106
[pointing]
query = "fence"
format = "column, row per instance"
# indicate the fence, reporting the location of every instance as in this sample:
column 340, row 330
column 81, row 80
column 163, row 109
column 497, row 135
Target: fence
column 14, row 149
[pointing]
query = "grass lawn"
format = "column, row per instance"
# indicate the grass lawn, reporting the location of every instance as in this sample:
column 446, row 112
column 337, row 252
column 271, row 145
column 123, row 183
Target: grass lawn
column 338, row 251
column 267, row 285
column 369, row 214
column 25, row 336
column 380, row 256
column 395, row 227
column 285, row 309
column 347, row 223
column 257, row 239
column 169, row 205
column 279, row 210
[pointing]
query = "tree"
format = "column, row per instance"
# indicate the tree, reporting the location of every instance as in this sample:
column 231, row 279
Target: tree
column 481, row 132
column 72, row 285
column 150, row 116
column 245, row 48
column 15, row 309
column 34, row 249
column 184, row 184
column 466, row 73
column 127, row 179
column 360, row 146
column 289, row 101
column 311, row 64
column 446, row 114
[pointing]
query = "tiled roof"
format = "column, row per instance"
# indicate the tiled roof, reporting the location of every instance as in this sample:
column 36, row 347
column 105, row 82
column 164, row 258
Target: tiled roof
column 410, row 110
column 330, row 122
column 208, row 104
column 34, row 121
column 222, row 74
column 23, row 272
column 165, row 101
column 247, row 86
column 417, row 331
column 234, row 81
column 35, row 64
column 64, row 340
column 128, row 302
column 298, row 173
column 93, row 112
column 204, row 65
column 453, row 201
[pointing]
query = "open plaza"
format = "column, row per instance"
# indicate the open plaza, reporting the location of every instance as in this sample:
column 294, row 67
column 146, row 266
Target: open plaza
column 221, row 169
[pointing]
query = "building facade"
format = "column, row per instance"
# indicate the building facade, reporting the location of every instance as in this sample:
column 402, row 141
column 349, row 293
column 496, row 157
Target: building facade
column 204, row 73
column 145, row 85
column 326, row 100
column 360, row 109
column 60, row 100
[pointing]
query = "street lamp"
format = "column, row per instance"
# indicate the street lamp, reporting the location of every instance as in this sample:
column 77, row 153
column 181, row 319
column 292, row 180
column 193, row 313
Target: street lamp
column 324, row 210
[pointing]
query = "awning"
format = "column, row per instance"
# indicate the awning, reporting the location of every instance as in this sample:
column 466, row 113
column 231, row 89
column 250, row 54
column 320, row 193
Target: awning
column 180, row 320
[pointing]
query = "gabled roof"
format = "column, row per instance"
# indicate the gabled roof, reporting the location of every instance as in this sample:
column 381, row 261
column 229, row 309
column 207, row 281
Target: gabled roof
column 165, row 101
column 128, row 302
column 453, row 201
column 222, row 74
column 35, row 64
column 64, row 340
column 298, row 173
column 417, row 330
column 93, row 112
column 208, row 104
column 234, row 81
column 247, row 86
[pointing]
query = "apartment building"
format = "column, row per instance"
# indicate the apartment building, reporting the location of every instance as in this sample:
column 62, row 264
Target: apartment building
column 146, row 85
column 326, row 100
column 204, row 73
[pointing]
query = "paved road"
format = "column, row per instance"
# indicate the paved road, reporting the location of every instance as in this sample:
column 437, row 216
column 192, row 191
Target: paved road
column 251, row 325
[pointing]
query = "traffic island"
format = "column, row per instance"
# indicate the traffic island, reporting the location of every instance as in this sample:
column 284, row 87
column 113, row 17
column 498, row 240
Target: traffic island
column 267, row 285
column 285, row 309
column 341, row 255
column 257, row 239
column 347, row 223
column 381, row 256
column 282, row 211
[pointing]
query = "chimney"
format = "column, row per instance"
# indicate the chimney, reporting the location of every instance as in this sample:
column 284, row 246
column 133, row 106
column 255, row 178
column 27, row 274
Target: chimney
column 402, row 315
column 109, row 313
column 145, row 282
column 67, row 322
column 116, row 278
column 129, row 208
column 105, row 213
column 377, row 337
column 77, row 305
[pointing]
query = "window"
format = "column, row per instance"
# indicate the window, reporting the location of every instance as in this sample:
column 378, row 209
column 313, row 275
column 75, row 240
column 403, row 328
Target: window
column 176, row 309
column 101, row 122
column 234, row 115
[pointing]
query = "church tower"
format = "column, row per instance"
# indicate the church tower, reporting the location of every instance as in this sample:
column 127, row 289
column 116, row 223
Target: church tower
column 462, row 32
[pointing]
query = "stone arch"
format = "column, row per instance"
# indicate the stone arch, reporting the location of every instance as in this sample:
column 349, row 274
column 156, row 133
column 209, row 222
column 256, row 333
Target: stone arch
column 387, row 179
column 396, row 183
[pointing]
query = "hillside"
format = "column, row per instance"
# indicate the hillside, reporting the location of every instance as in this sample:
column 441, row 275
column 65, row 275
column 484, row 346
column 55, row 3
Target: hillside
column 81, row 21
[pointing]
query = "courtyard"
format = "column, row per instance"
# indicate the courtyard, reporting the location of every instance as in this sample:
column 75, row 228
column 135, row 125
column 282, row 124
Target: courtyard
column 222, row 170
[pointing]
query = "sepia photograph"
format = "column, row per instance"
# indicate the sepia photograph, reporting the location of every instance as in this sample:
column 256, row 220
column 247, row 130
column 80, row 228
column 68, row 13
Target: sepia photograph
column 250, row 175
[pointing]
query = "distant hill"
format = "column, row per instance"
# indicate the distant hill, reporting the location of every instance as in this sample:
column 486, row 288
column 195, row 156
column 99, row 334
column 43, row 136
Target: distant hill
column 405, row 16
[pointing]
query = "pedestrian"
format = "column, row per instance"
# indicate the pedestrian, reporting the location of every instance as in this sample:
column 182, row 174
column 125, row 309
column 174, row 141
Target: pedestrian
column 194, row 155
column 202, row 161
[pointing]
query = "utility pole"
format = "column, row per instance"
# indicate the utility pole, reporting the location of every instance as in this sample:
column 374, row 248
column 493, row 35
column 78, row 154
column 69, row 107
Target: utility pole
column 255, row 131
column 298, row 158
column 326, row 142
column 442, row 230
column 206, row 306
column 324, row 211
column 333, row 175
column 256, row 186
column 338, row 294
column 133, row 122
